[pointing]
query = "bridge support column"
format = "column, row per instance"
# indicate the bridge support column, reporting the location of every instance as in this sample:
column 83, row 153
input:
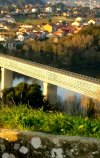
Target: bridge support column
column 45, row 90
column 6, row 78
column 50, row 92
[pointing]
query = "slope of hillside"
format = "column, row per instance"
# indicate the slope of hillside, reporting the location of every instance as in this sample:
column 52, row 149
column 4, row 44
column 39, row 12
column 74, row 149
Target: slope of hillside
column 20, row 2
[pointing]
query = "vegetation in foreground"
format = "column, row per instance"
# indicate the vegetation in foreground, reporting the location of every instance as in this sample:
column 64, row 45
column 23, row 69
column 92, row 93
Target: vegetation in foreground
column 31, row 95
column 25, row 118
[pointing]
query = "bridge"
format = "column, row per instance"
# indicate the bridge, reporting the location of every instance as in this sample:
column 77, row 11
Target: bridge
column 49, row 75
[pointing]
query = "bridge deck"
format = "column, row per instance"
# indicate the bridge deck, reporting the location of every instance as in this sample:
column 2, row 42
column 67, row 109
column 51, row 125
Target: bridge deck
column 76, row 82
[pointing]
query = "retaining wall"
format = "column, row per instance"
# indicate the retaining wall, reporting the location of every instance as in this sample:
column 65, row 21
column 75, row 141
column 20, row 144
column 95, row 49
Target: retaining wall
column 23, row 144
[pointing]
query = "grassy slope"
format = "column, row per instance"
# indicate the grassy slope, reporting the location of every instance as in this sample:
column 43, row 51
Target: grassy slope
column 57, row 123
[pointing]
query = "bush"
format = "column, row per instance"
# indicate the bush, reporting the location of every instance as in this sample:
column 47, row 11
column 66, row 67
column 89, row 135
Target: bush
column 24, row 94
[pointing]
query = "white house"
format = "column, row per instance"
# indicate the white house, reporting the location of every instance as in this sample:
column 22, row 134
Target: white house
column 26, row 26
column 2, row 38
column 91, row 22
column 58, row 9
column 48, row 9
column 11, row 20
column 75, row 23
column 78, row 19
column 6, row 28
column 34, row 10
column 20, row 37
column 2, row 27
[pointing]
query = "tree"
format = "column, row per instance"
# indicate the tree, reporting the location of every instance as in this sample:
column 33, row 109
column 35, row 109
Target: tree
column 8, row 96
column 24, row 94
column 50, row 20
column 34, row 95
column 91, row 109
column 21, row 93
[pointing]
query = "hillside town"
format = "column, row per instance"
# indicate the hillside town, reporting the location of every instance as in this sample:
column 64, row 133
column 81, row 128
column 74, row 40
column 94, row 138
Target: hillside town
column 70, row 20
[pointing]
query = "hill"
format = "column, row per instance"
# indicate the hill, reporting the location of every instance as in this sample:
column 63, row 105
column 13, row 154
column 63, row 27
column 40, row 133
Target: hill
column 20, row 2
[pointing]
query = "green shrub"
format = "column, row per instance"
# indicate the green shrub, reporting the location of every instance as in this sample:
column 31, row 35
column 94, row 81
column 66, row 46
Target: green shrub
column 22, row 117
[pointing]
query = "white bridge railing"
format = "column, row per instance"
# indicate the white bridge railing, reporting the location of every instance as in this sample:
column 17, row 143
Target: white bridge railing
column 69, row 80
column 65, row 72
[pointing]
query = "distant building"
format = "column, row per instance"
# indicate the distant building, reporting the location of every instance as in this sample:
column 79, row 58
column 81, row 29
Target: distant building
column 26, row 26
column 91, row 22
column 75, row 23
column 59, row 33
column 34, row 10
column 21, row 38
column 7, row 19
column 48, row 9
column 47, row 27
column 2, row 27
column 78, row 19
column 2, row 38
column 11, row 45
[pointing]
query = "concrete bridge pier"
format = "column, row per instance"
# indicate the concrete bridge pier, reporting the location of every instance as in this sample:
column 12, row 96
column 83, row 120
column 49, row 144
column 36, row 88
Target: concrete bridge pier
column 6, row 79
column 50, row 92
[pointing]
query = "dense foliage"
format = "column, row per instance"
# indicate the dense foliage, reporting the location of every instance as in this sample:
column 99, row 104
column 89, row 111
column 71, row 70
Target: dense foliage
column 21, row 117
column 23, row 93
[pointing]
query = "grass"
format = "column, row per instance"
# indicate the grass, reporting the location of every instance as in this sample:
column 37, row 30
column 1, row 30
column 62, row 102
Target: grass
column 31, row 21
column 41, row 20
column 23, row 118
